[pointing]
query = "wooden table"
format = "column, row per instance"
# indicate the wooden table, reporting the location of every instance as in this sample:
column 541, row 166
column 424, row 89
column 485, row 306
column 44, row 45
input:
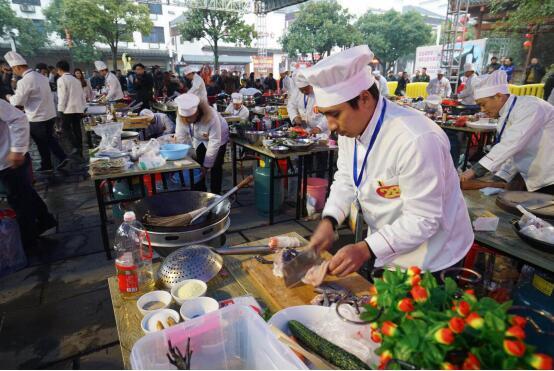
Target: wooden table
column 232, row 281
column 129, row 174
column 301, row 173
column 505, row 239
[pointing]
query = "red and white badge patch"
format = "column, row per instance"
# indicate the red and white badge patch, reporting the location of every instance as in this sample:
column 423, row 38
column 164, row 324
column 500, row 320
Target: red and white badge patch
column 392, row 191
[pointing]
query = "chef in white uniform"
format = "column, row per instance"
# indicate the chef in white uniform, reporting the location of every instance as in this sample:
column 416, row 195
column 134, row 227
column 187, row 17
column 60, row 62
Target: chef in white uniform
column 203, row 127
column 236, row 108
column 198, row 87
column 524, row 136
column 393, row 165
column 466, row 95
column 439, row 86
column 383, row 87
column 113, row 87
column 302, row 107
column 286, row 82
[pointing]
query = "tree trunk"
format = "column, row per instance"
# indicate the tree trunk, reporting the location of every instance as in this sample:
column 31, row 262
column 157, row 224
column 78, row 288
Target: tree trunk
column 114, row 56
column 216, row 56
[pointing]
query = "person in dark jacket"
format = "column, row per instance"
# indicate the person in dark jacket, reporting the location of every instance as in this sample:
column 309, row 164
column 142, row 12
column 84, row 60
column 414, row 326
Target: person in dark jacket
column 122, row 80
column 143, row 85
column 251, row 81
column 549, row 84
column 270, row 83
column 493, row 66
column 535, row 72
column 96, row 81
column 6, row 76
column 401, row 87
column 424, row 77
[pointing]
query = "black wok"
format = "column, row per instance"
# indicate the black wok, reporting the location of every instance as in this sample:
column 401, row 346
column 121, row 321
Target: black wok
column 174, row 203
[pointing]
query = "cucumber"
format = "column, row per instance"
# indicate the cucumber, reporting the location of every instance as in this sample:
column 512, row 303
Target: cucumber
column 325, row 349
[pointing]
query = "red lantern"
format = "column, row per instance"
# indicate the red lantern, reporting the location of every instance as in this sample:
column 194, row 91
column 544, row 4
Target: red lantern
column 528, row 36
column 527, row 44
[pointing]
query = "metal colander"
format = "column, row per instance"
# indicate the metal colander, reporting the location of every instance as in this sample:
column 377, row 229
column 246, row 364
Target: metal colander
column 190, row 262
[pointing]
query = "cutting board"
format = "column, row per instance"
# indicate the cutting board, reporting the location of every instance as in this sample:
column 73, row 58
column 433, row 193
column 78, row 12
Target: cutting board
column 277, row 296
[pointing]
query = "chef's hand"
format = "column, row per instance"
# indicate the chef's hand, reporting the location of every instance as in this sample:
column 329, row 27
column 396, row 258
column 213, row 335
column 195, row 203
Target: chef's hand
column 315, row 131
column 467, row 175
column 323, row 237
column 16, row 159
column 349, row 259
column 297, row 120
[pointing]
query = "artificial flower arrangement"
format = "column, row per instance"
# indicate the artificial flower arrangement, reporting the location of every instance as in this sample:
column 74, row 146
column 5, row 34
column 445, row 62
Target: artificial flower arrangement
column 422, row 324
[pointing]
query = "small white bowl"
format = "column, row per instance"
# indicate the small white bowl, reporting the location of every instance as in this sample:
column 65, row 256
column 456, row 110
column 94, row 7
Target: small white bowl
column 199, row 286
column 158, row 295
column 148, row 323
column 197, row 307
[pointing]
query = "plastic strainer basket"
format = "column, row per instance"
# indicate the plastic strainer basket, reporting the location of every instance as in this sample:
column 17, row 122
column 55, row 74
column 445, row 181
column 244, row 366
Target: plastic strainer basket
column 190, row 262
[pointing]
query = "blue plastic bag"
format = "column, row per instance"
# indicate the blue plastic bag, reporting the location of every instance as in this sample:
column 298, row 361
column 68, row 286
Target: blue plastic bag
column 12, row 255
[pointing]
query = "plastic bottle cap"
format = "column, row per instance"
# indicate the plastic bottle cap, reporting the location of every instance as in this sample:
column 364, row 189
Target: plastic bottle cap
column 129, row 216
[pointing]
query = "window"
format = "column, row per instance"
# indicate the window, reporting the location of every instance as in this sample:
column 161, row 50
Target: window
column 27, row 2
column 155, row 8
column 40, row 25
column 156, row 36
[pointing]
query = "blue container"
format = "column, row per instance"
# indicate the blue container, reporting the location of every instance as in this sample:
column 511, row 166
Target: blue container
column 174, row 151
column 261, row 189
column 197, row 175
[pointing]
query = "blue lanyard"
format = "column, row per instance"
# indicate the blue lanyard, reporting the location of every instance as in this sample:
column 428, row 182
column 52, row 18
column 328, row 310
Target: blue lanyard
column 358, row 178
column 499, row 136
column 190, row 130
column 305, row 101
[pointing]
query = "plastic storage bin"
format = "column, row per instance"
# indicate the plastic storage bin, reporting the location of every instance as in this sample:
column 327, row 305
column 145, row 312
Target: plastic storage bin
column 234, row 337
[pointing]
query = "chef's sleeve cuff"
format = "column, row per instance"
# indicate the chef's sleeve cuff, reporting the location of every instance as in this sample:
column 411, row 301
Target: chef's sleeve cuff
column 379, row 245
column 486, row 162
column 479, row 170
column 18, row 149
column 335, row 213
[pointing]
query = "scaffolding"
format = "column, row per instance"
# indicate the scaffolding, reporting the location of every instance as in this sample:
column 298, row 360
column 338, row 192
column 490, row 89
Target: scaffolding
column 261, row 27
column 453, row 39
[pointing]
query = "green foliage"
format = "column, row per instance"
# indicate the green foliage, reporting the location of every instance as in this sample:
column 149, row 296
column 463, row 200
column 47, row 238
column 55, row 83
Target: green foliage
column 104, row 21
column 215, row 27
column 23, row 31
column 318, row 27
column 393, row 35
column 520, row 14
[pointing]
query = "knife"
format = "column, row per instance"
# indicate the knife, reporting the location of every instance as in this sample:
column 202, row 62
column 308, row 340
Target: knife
column 296, row 269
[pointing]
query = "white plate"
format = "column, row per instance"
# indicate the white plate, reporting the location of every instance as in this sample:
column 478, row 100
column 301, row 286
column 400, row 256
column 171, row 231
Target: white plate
column 481, row 124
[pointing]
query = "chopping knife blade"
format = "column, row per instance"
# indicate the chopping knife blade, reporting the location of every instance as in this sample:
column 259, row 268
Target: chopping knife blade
column 296, row 269
column 533, row 205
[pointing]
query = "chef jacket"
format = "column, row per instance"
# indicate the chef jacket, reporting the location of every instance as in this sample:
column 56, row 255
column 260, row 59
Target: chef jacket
column 70, row 94
column 14, row 132
column 527, row 141
column 288, row 84
column 466, row 95
column 34, row 95
column 199, row 88
column 409, row 194
column 113, row 87
column 161, row 125
column 212, row 130
column 439, row 87
column 303, row 105
column 383, row 87
column 243, row 112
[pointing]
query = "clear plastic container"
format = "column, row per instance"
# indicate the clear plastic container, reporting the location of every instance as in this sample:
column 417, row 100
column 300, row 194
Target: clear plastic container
column 232, row 338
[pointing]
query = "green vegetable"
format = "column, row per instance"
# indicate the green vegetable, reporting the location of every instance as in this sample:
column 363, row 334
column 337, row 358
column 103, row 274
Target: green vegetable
column 325, row 349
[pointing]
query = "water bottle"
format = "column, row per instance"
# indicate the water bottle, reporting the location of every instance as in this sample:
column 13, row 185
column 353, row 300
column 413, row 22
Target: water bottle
column 267, row 122
column 133, row 258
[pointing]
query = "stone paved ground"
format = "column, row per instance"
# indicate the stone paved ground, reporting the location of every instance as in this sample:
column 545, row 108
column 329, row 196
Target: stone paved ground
column 56, row 313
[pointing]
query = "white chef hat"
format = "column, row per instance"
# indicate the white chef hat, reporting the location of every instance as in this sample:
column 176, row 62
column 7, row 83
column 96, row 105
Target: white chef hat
column 300, row 80
column 341, row 77
column 489, row 85
column 14, row 59
column 376, row 73
column 147, row 112
column 469, row 67
column 236, row 97
column 189, row 69
column 433, row 99
column 187, row 104
column 100, row 65
column 440, row 72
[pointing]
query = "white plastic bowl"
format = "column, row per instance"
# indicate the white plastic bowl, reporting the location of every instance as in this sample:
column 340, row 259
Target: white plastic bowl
column 158, row 295
column 201, row 292
column 148, row 323
column 197, row 307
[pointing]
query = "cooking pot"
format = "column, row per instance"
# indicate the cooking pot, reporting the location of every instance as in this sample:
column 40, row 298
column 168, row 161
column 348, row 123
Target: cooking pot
column 167, row 239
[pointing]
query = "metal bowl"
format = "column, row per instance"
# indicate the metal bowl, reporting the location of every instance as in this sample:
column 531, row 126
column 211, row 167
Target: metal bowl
column 277, row 134
column 254, row 137
column 279, row 149
column 300, row 144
